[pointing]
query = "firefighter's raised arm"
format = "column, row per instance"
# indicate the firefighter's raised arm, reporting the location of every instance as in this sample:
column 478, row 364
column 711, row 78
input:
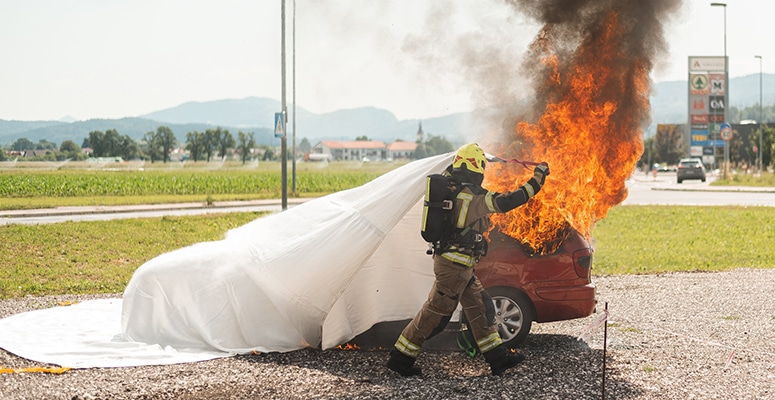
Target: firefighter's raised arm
column 509, row 201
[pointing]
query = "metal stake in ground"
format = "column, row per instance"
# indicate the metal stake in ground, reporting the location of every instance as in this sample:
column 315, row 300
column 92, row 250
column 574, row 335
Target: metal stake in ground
column 605, row 342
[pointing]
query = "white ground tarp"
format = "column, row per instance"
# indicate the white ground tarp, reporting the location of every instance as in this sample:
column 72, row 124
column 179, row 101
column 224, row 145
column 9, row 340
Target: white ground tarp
column 315, row 275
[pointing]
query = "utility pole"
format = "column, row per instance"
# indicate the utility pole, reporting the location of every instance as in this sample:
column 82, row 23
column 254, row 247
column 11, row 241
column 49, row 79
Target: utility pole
column 293, row 142
column 761, row 115
column 283, row 140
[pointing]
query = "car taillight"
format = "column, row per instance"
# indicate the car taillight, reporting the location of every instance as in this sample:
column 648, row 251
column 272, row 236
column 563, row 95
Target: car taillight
column 582, row 263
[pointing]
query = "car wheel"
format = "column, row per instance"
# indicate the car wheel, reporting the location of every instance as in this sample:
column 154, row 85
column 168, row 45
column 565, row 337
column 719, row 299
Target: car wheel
column 703, row 179
column 679, row 181
column 513, row 314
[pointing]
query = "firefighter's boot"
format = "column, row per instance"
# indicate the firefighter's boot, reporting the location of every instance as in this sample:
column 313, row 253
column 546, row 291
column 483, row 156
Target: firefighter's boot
column 500, row 359
column 403, row 364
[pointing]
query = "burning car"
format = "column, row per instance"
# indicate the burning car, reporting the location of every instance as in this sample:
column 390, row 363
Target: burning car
column 537, row 288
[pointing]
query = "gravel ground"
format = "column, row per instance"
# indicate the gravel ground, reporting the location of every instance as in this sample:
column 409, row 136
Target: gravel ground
column 675, row 336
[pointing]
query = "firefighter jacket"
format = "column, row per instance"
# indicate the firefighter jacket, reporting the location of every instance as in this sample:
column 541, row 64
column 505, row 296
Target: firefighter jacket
column 472, row 207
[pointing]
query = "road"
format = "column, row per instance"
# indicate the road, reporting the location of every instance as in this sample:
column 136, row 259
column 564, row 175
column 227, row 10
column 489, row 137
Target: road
column 665, row 190
column 103, row 213
column 643, row 190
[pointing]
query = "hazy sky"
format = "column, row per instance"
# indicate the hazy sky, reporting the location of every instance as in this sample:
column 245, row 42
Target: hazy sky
column 119, row 58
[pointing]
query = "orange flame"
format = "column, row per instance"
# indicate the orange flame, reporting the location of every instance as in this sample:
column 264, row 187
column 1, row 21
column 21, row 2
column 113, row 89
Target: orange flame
column 589, row 132
column 348, row 346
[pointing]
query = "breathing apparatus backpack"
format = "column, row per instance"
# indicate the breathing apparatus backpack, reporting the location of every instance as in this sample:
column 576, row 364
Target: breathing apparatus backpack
column 438, row 219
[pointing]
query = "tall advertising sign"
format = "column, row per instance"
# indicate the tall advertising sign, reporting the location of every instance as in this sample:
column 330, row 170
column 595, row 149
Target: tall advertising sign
column 707, row 105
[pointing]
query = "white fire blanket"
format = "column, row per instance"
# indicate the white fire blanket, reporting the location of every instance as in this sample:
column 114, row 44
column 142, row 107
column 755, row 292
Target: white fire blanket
column 315, row 275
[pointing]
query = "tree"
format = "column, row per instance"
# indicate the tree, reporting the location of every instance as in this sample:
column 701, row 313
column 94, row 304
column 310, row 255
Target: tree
column 210, row 140
column 433, row 146
column 305, row 146
column 768, row 142
column 225, row 142
column 166, row 140
column 268, row 152
column 22, row 144
column 152, row 146
column 44, row 144
column 363, row 138
column 111, row 144
column 70, row 149
column 669, row 144
column 129, row 149
column 97, row 143
column 246, row 144
column 197, row 143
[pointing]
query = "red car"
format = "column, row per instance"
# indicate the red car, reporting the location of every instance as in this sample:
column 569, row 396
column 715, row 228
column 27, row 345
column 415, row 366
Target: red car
column 524, row 288
column 545, row 288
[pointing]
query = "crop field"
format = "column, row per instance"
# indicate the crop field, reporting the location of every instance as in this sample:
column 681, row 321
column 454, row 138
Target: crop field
column 34, row 186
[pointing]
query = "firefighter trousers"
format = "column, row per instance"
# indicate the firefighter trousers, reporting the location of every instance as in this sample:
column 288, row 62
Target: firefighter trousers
column 454, row 283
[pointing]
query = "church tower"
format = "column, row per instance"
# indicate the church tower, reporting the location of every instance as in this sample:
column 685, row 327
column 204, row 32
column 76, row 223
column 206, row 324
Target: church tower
column 420, row 134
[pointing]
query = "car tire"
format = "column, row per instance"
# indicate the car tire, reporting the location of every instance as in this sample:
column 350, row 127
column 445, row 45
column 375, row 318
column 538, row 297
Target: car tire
column 679, row 181
column 514, row 314
column 703, row 179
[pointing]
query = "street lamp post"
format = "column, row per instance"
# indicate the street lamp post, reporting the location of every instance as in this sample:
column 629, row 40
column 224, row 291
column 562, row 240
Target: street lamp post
column 726, row 83
column 761, row 132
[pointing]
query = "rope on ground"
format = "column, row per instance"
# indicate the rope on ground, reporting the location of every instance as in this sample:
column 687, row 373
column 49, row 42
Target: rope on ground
column 49, row 370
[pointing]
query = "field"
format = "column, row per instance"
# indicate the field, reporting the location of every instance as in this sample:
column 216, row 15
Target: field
column 100, row 257
column 43, row 185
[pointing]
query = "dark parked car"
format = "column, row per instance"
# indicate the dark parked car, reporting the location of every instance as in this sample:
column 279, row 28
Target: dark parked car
column 690, row 168
column 543, row 288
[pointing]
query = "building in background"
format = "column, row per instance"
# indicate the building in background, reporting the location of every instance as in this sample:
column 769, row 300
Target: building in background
column 362, row 150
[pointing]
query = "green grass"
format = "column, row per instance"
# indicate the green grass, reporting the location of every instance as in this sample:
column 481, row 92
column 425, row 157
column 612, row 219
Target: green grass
column 766, row 179
column 100, row 256
column 96, row 257
column 656, row 239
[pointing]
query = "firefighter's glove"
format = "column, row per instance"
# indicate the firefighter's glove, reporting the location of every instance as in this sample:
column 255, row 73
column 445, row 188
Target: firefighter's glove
column 540, row 172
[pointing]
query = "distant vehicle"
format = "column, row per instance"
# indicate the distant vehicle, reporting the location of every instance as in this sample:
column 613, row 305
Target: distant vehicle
column 543, row 288
column 690, row 168
column 317, row 157
column 663, row 168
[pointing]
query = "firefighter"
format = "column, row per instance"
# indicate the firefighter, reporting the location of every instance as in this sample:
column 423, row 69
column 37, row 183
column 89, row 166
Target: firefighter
column 453, row 265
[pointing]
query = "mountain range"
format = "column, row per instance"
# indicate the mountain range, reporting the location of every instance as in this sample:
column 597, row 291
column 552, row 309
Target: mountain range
column 256, row 114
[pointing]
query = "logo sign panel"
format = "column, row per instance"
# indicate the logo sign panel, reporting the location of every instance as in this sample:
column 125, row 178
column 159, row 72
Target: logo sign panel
column 716, row 118
column 699, row 119
column 716, row 104
column 706, row 64
column 717, row 84
column 699, row 138
column 699, row 105
column 699, row 83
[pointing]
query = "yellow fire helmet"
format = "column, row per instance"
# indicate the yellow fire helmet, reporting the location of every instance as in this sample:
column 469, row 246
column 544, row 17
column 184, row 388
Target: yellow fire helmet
column 472, row 156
